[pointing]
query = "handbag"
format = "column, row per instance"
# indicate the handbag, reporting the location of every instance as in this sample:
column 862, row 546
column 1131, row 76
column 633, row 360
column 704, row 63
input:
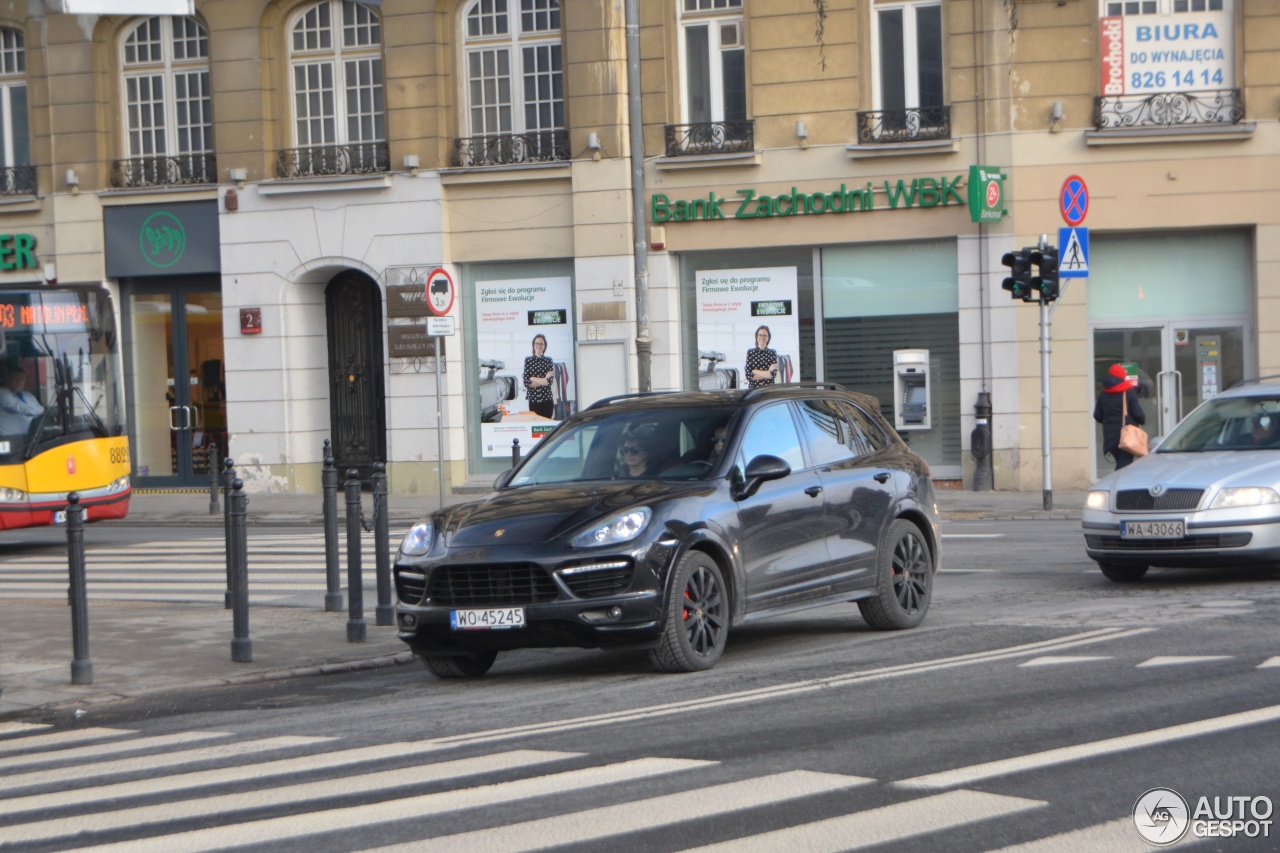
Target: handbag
column 1133, row 438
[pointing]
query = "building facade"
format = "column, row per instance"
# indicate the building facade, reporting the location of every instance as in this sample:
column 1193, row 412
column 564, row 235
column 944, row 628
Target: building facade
column 281, row 197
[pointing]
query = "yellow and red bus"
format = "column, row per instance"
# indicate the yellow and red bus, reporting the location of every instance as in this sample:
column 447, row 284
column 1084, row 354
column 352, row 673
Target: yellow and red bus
column 63, row 429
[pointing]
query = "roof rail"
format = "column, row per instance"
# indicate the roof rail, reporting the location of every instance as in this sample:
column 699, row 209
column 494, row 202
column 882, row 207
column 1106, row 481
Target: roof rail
column 752, row 393
column 606, row 401
column 1255, row 380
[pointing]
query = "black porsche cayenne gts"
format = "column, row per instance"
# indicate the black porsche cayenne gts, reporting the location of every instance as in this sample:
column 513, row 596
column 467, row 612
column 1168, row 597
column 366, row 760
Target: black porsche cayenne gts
column 662, row 520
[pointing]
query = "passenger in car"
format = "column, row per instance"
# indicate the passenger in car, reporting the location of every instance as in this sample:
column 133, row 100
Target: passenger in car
column 1266, row 430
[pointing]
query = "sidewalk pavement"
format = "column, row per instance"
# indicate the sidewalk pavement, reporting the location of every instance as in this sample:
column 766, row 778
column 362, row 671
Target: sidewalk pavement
column 141, row 648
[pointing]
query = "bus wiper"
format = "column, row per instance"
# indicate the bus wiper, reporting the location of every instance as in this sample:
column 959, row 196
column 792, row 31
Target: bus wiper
column 100, row 427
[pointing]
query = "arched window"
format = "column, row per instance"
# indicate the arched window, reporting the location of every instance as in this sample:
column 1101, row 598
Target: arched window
column 18, row 176
column 168, row 107
column 514, row 78
column 339, row 118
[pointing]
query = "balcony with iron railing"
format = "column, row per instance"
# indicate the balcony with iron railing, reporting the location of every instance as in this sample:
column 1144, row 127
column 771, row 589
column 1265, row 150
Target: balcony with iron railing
column 164, row 171
column 318, row 161
column 916, row 124
column 1169, row 110
column 511, row 149
column 712, row 137
column 18, row 180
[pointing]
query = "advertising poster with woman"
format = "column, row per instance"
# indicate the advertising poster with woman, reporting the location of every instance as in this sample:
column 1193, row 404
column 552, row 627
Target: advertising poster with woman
column 524, row 340
column 748, row 327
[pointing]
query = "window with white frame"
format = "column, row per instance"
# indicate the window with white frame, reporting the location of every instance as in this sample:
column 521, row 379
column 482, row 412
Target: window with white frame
column 514, row 79
column 713, row 61
column 908, row 55
column 15, row 142
column 167, row 104
column 1153, row 7
column 335, row 66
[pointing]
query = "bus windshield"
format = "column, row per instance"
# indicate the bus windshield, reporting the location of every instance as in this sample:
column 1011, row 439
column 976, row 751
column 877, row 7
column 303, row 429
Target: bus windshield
column 59, row 363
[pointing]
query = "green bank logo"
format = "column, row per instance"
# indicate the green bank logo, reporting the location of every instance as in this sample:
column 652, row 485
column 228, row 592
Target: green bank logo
column 163, row 239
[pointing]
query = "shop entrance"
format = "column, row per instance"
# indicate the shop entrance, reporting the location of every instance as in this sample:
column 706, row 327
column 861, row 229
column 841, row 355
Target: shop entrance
column 1178, row 366
column 176, row 382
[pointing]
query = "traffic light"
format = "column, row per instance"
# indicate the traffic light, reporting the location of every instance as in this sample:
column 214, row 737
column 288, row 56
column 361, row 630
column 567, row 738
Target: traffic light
column 1019, row 281
column 1047, row 281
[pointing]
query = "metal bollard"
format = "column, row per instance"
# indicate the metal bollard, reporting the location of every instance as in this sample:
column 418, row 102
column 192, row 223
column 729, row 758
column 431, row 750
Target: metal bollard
column 228, row 475
column 515, row 452
column 238, row 566
column 213, row 478
column 355, row 584
column 332, row 571
column 81, row 665
column 384, row 613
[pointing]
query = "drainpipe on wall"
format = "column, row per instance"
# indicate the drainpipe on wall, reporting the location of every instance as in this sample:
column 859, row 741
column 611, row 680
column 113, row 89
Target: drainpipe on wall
column 644, row 343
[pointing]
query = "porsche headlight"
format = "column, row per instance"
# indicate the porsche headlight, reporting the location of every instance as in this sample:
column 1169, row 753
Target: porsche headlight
column 417, row 541
column 1096, row 500
column 12, row 496
column 1248, row 496
column 611, row 531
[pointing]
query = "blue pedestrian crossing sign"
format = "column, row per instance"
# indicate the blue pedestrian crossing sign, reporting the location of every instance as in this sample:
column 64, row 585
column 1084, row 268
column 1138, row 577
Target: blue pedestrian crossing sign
column 1073, row 252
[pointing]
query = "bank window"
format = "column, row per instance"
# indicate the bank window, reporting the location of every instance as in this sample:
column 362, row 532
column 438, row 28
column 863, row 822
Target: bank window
column 908, row 64
column 167, row 103
column 18, row 177
column 339, row 114
column 514, row 79
column 713, row 61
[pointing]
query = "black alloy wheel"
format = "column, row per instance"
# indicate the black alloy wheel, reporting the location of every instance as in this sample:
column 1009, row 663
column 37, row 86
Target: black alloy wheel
column 904, row 583
column 473, row 665
column 697, row 617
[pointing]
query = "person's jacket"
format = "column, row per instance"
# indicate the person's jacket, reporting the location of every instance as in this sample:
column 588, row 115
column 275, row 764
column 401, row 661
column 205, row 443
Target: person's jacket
column 1109, row 408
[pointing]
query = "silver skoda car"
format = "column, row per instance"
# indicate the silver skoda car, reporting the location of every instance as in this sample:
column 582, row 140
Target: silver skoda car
column 1208, row 496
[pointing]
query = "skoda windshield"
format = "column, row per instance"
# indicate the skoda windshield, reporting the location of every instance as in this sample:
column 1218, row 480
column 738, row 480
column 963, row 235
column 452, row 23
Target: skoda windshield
column 666, row 443
column 1228, row 423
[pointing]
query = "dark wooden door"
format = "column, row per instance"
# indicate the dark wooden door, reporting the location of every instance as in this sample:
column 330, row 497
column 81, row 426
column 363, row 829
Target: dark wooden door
column 357, row 409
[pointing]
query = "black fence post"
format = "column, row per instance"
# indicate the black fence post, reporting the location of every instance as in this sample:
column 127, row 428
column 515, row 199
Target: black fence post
column 81, row 664
column 213, row 478
column 332, row 571
column 228, row 474
column 355, row 584
column 384, row 613
column 238, row 565
column 515, row 452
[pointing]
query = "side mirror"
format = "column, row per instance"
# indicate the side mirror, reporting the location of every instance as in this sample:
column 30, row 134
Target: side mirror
column 760, row 470
column 502, row 479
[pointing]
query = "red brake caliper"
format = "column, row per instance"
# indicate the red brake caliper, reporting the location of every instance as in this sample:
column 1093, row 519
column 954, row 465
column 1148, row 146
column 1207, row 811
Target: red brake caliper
column 685, row 611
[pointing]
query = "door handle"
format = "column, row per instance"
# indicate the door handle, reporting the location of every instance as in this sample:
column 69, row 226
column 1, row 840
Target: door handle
column 173, row 424
column 813, row 491
column 882, row 477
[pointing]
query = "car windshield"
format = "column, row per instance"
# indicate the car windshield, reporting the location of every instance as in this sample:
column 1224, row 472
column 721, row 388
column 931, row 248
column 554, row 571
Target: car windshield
column 664, row 443
column 1230, row 423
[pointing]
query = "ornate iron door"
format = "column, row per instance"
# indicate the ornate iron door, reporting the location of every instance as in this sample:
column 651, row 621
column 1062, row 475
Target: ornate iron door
column 357, row 412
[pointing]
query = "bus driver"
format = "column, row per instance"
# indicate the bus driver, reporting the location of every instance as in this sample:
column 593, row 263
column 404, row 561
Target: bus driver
column 17, row 407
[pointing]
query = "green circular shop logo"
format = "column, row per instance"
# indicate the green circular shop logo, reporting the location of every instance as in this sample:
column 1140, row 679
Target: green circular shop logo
column 163, row 239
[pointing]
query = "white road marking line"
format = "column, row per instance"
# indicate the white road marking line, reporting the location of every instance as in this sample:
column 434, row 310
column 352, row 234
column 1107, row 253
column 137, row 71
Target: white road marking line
column 408, row 808
column 877, row 826
column 972, row 535
column 62, row 738
column 1269, row 663
column 599, row 823
column 1051, row 660
column 150, row 763
column 200, row 778
column 143, row 817
column 80, row 753
column 13, row 728
column 1063, row 755
column 1177, row 660
column 107, row 595
column 965, row 571
column 182, row 586
column 114, row 577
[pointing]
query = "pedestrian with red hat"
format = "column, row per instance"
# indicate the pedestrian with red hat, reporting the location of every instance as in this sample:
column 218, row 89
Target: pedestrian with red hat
column 1117, row 405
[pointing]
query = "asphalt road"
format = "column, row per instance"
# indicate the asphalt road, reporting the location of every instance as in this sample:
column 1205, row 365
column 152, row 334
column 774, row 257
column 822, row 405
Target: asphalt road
column 1033, row 707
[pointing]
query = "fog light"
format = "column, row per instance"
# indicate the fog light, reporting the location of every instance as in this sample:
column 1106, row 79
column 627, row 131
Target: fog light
column 408, row 620
column 615, row 613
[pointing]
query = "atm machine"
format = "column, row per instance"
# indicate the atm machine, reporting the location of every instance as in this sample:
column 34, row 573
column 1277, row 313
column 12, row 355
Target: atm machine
column 911, row 408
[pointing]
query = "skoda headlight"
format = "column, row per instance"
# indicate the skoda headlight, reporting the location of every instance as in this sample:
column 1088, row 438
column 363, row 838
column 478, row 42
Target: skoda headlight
column 417, row 541
column 1248, row 496
column 12, row 496
column 611, row 531
column 1096, row 500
